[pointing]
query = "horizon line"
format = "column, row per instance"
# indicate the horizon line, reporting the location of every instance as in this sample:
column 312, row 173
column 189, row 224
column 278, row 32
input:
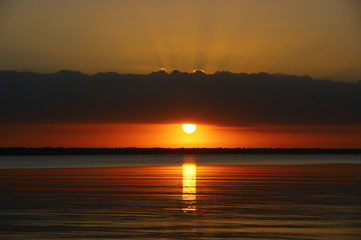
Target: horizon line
column 159, row 150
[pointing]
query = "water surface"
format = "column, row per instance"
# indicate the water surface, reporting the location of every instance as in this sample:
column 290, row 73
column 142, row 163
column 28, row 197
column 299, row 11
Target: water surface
column 181, row 197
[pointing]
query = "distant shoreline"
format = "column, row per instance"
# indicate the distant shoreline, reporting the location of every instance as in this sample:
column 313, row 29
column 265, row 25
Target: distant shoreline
column 133, row 150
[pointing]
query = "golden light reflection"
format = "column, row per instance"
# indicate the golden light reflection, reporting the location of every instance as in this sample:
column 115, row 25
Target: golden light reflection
column 189, row 184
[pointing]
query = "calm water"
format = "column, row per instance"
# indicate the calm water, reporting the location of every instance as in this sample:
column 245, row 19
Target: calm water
column 181, row 197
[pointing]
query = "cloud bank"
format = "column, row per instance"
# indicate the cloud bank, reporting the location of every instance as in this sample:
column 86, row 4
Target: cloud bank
column 222, row 98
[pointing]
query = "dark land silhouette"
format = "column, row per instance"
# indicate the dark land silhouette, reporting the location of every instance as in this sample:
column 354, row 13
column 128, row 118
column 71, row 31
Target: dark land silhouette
column 133, row 150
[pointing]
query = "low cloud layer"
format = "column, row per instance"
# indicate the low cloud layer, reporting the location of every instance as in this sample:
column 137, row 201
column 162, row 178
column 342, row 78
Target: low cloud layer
column 222, row 98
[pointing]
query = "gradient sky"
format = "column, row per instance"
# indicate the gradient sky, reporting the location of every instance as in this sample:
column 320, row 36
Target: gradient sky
column 317, row 38
column 231, row 110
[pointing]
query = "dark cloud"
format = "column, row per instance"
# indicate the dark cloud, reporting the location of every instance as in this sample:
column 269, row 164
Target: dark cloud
column 222, row 98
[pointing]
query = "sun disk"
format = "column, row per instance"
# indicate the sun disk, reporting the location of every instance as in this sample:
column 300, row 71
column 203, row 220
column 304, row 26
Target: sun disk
column 189, row 128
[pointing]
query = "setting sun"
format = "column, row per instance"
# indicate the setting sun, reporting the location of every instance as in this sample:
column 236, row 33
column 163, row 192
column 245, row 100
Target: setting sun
column 189, row 128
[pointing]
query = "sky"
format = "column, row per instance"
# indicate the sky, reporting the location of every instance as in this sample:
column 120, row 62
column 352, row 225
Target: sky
column 319, row 38
column 278, row 73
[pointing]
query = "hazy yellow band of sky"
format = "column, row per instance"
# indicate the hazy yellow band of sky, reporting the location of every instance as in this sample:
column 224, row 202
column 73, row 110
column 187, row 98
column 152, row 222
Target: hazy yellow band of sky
column 317, row 38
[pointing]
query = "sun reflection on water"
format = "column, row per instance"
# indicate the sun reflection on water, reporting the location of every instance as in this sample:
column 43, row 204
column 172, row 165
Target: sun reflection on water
column 189, row 180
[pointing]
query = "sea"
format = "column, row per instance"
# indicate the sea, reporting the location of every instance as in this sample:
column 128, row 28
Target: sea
column 242, row 196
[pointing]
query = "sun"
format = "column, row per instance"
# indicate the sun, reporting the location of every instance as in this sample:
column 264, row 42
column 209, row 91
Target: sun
column 189, row 128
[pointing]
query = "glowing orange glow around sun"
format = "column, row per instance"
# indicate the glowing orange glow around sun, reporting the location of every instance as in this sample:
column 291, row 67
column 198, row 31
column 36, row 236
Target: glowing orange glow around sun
column 189, row 128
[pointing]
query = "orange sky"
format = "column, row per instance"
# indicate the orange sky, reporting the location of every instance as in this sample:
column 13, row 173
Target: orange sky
column 172, row 135
column 320, row 39
column 316, row 38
